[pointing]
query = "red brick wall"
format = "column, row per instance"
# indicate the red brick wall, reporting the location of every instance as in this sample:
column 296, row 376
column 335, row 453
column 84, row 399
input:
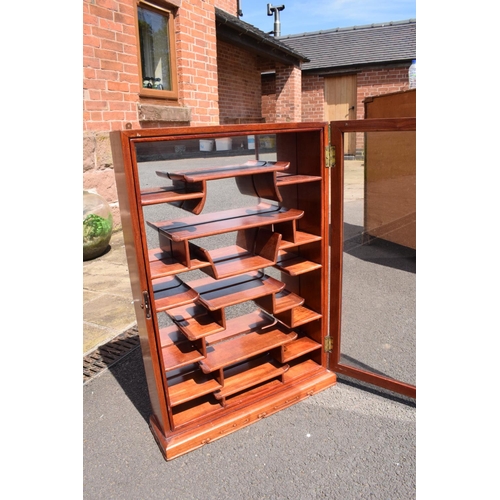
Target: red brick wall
column 239, row 85
column 375, row 82
column 229, row 6
column 268, row 82
column 197, row 61
column 110, row 69
column 288, row 93
column 313, row 98
column 379, row 81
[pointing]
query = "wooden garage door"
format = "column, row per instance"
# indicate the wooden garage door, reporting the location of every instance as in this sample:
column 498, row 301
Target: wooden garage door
column 340, row 104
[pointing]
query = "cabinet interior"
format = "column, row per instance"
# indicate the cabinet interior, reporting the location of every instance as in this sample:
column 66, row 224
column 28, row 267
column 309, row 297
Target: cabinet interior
column 230, row 250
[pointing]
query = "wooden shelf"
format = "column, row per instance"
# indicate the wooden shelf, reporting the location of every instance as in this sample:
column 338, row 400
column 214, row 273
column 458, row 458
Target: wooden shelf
column 297, row 348
column 255, row 249
column 171, row 292
column 248, row 375
column 196, row 322
column 303, row 370
column 300, row 238
column 297, row 316
column 253, row 178
column 170, row 194
column 256, row 320
column 287, row 307
column 293, row 264
column 161, row 264
column 216, row 294
column 244, row 347
column 189, row 386
column 202, row 226
column 180, row 354
column 279, row 302
column 252, row 167
column 189, row 413
column 287, row 179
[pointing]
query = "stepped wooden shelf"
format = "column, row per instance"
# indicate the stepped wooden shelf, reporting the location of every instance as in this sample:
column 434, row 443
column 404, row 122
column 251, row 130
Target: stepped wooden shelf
column 174, row 195
column 202, row 226
column 297, row 348
column 177, row 354
column 293, row 264
column 297, row 316
column 189, row 188
column 289, row 179
column 250, row 374
column 231, row 260
column 253, row 178
column 254, row 249
column 252, row 167
column 244, row 347
column 196, row 322
column 171, row 292
column 187, row 387
column 217, row 294
column 288, row 308
column 162, row 263
column 256, row 320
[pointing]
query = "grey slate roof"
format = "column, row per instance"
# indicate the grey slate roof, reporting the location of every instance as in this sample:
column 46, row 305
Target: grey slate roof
column 356, row 46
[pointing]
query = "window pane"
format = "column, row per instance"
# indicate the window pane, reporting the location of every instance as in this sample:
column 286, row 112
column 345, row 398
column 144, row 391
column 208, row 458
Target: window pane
column 155, row 50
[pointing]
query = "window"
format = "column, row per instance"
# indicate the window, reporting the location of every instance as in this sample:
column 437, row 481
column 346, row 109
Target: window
column 158, row 74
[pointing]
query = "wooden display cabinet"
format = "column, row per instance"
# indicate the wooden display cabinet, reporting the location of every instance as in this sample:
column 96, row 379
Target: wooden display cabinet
column 235, row 259
column 232, row 302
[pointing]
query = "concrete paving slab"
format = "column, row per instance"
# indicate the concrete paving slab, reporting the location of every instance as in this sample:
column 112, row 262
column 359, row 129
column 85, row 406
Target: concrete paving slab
column 96, row 335
column 110, row 310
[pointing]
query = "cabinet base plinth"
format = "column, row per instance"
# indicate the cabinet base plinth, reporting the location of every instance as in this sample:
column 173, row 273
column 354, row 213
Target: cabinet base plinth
column 189, row 438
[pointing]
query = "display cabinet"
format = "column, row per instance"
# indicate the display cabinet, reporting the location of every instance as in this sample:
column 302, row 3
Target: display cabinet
column 228, row 258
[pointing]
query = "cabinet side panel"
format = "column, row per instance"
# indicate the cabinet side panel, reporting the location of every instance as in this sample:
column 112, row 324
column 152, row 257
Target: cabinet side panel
column 136, row 264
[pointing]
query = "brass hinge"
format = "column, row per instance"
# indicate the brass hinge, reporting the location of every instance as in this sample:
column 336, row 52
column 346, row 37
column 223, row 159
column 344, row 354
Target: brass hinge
column 330, row 156
column 328, row 344
column 146, row 304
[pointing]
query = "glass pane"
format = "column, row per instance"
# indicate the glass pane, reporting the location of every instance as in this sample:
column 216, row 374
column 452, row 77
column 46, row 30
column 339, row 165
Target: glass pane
column 155, row 158
column 155, row 51
column 379, row 269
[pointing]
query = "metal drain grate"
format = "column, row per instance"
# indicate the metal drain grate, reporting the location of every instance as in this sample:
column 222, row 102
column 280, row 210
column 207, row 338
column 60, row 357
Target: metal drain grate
column 108, row 354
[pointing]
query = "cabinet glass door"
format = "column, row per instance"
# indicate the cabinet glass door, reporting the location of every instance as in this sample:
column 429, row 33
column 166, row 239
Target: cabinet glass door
column 373, row 254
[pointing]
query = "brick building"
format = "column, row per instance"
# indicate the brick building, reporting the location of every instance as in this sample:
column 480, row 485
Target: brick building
column 151, row 63
column 346, row 66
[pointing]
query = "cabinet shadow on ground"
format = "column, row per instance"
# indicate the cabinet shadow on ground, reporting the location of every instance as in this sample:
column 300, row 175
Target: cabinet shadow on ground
column 129, row 373
column 378, row 251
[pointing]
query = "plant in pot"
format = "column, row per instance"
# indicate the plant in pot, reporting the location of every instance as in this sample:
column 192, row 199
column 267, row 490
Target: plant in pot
column 97, row 225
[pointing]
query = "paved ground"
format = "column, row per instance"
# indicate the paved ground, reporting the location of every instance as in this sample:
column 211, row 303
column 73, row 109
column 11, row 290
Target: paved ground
column 348, row 442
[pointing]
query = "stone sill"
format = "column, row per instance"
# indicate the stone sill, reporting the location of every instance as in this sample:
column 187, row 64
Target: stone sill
column 155, row 113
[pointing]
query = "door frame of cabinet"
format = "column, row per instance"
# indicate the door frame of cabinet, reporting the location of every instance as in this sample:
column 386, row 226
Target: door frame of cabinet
column 337, row 131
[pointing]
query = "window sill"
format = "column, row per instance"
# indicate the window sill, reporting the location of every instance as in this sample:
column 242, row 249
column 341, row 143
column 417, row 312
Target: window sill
column 156, row 113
